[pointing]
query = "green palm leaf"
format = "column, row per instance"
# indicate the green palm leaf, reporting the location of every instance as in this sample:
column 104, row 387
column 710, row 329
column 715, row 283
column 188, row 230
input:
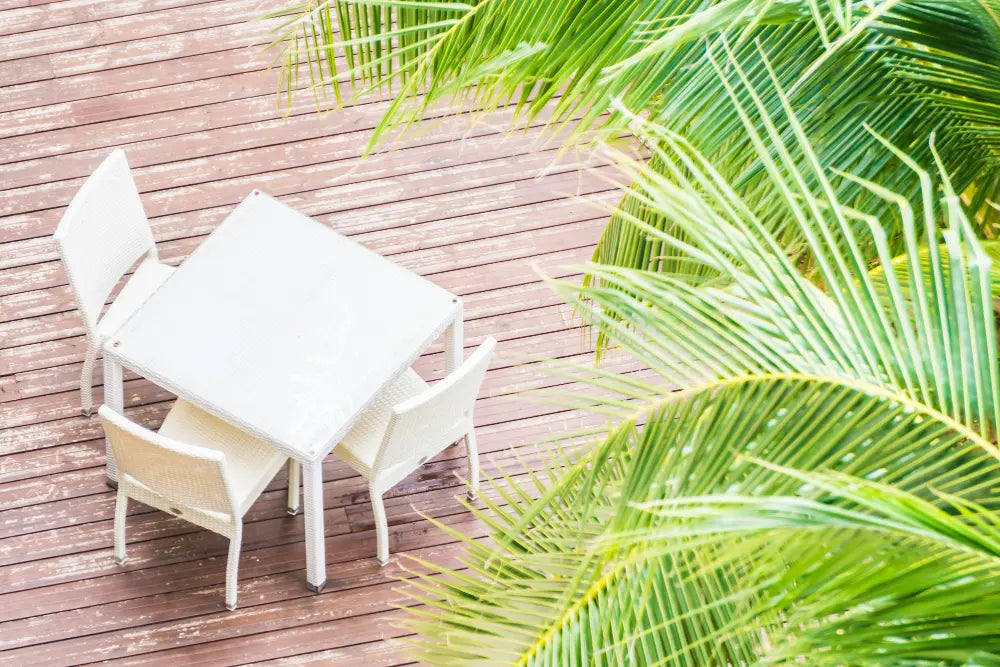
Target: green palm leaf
column 824, row 487
column 906, row 67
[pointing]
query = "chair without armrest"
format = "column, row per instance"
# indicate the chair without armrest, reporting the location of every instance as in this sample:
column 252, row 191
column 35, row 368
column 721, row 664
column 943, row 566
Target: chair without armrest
column 103, row 232
column 212, row 483
column 410, row 423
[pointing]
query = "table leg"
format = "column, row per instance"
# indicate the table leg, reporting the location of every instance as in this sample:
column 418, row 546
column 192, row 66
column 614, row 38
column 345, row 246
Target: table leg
column 312, row 481
column 114, row 398
column 454, row 344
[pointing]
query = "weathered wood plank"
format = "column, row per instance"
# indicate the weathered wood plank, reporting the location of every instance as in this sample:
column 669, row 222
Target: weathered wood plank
column 200, row 597
column 130, row 105
column 383, row 652
column 143, row 80
column 271, row 151
column 116, row 27
column 354, row 637
column 250, row 618
column 182, row 85
column 66, row 63
column 317, row 164
column 63, row 12
column 314, row 183
column 13, row 4
column 173, row 123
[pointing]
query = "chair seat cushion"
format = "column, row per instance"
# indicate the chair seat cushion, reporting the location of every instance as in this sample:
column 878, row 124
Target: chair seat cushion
column 148, row 276
column 251, row 463
column 362, row 442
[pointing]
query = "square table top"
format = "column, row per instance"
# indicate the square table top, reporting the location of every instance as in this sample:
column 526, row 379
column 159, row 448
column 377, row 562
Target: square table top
column 283, row 327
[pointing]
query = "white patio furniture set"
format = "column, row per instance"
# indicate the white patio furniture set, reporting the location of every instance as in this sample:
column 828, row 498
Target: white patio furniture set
column 283, row 340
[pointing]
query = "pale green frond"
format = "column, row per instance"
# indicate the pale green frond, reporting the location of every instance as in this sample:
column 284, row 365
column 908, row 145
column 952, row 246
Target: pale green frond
column 832, row 432
column 681, row 584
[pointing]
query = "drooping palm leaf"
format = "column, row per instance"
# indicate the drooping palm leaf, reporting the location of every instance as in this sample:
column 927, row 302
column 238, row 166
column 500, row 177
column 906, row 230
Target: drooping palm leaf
column 700, row 595
column 907, row 67
column 665, row 542
column 930, row 586
column 698, row 530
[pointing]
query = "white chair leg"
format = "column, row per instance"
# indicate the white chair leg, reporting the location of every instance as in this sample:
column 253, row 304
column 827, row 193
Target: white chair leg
column 233, row 566
column 87, row 379
column 294, row 480
column 121, row 510
column 473, row 453
column 381, row 525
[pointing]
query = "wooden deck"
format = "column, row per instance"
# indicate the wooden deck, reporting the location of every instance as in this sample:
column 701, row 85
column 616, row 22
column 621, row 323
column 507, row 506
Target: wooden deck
column 182, row 85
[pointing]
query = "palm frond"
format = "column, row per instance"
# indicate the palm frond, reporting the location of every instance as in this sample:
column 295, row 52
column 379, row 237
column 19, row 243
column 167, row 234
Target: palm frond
column 822, row 487
column 828, row 470
column 906, row 67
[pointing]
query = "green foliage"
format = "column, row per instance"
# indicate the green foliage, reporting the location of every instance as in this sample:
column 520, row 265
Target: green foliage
column 905, row 67
column 823, row 488
column 923, row 68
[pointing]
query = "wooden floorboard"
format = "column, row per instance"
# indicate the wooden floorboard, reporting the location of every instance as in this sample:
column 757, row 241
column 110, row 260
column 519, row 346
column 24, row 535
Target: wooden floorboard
column 184, row 87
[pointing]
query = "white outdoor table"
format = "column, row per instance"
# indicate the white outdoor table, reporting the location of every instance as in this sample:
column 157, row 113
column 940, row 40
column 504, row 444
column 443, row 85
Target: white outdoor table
column 288, row 330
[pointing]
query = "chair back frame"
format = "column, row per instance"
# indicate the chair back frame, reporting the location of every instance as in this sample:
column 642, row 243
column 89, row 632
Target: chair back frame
column 424, row 425
column 103, row 232
column 163, row 471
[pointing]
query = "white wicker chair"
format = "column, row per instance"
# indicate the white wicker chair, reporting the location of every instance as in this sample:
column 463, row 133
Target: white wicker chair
column 103, row 233
column 196, row 467
column 409, row 423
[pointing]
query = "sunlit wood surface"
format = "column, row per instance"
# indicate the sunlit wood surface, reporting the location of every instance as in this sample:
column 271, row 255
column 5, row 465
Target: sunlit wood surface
column 182, row 86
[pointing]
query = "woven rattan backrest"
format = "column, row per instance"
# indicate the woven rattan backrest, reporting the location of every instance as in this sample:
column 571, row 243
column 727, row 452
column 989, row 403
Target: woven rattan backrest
column 187, row 475
column 424, row 425
column 103, row 232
